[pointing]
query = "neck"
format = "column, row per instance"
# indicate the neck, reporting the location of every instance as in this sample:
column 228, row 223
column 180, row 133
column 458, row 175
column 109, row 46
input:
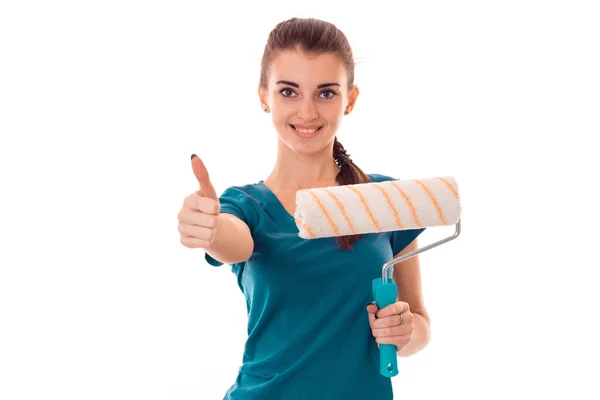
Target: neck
column 294, row 171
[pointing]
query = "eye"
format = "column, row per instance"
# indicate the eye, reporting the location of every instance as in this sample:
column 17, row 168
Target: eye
column 285, row 91
column 333, row 93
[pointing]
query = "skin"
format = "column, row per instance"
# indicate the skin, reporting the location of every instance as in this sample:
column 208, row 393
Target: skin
column 304, row 163
column 307, row 163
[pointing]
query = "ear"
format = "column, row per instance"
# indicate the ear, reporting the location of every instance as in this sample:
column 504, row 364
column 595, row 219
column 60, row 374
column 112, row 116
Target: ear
column 352, row 96
column 262, row 97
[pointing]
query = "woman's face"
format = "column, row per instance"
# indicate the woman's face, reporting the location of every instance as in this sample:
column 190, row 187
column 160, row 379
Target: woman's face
column 307, row 96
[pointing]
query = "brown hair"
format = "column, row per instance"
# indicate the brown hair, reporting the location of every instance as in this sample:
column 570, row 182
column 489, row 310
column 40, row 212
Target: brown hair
column 314, row 36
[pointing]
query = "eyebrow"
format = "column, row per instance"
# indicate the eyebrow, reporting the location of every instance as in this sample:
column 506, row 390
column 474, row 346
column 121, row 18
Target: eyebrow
column 322, row 85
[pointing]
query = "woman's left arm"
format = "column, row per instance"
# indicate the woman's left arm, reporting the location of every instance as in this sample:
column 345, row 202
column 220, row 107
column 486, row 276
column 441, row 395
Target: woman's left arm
column 404, row 323
column 407, row 276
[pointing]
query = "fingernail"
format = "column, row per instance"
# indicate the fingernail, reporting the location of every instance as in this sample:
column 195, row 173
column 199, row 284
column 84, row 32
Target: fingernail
column 193, row 155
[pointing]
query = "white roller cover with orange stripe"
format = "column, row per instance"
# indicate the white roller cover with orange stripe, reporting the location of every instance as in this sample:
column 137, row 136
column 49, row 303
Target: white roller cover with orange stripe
column 377, row 207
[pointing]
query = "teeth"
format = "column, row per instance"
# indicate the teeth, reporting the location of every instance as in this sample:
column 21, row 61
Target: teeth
column 307, row 130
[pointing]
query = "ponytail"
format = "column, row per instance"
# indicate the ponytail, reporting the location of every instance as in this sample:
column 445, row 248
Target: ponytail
column 350, row 174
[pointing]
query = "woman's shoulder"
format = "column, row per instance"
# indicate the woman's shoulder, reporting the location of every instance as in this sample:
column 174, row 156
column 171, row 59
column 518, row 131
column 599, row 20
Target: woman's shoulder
column 381, row 178
column 250, row 191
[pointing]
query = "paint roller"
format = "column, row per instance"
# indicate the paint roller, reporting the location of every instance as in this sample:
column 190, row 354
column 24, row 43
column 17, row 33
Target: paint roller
column 380, row 207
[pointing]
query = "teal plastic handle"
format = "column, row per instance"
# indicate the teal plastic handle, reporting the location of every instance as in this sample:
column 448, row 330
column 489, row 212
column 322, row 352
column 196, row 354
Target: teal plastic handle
column 386, row 294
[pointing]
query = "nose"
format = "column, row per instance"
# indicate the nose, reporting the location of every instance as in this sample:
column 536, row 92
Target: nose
column 308, row 111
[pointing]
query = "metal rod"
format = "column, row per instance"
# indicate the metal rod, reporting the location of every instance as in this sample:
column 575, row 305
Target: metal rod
column 387, row 265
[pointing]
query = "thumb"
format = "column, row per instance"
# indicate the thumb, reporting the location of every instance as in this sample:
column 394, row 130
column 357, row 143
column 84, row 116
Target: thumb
column 372, row 310
column 201, row 173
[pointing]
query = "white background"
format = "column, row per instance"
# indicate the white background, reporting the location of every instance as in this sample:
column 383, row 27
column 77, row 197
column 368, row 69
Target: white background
column 102, row 103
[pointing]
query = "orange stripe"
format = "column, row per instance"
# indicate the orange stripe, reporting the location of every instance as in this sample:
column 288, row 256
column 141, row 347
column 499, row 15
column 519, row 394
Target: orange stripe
column 305, row 227
column 364, row 202
column 435, row 203
column 308, row 230
column 387, row 199
column 450, row 187
column 410, row 204
column 329, row 219
column 342, row 209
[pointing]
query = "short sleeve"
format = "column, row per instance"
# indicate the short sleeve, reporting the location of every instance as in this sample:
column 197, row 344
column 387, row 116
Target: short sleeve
column 400, row 239
column 237, row 202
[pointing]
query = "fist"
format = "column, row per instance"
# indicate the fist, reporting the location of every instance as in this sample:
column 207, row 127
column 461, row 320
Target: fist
column 392, row 324
column 199, row 214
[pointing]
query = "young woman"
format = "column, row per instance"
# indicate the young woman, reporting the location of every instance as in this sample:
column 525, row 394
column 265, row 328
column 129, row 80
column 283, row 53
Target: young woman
column 309, row 335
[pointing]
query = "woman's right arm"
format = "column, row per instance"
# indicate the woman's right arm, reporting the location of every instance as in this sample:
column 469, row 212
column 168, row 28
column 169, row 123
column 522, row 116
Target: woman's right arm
column 223, row 236
column 233, row 242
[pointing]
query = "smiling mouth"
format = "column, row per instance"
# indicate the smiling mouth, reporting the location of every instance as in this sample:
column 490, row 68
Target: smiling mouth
column 306, row 131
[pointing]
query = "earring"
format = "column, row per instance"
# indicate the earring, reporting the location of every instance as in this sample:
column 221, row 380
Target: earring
column 265, row 108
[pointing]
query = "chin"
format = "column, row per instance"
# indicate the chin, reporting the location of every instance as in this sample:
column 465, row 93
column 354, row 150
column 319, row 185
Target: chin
column 311, row 146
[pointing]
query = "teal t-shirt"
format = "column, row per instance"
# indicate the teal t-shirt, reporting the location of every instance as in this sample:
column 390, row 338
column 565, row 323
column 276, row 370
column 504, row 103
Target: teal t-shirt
column 308, row 329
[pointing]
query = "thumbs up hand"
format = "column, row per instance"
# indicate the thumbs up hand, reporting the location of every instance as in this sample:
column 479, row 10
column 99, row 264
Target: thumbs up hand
column 198, row 216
